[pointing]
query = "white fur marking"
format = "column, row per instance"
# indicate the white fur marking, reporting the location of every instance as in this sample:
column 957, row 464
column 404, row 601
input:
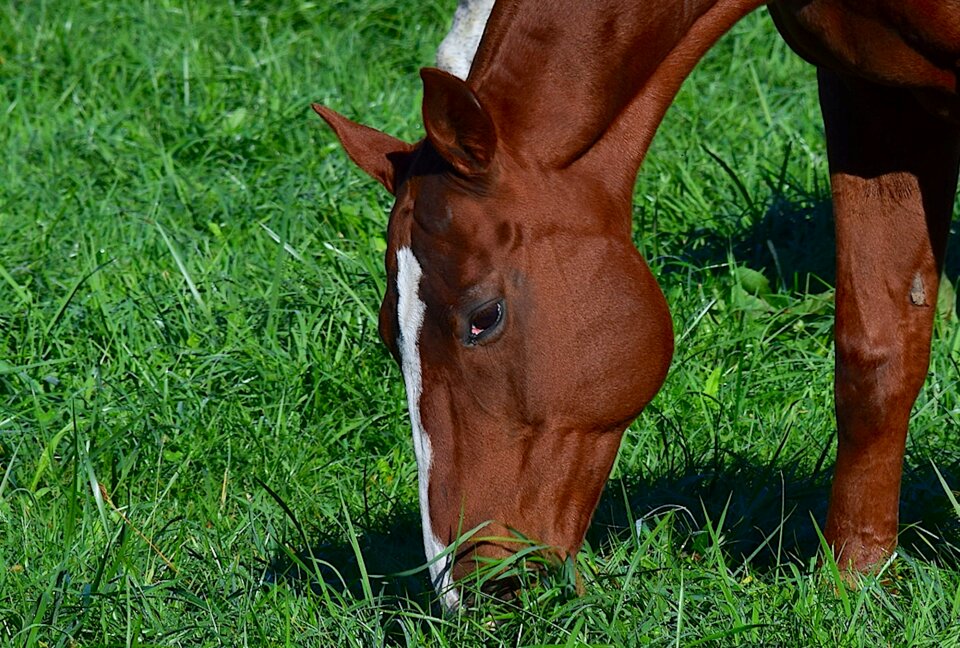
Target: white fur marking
column 410, row 312
column 456, row 52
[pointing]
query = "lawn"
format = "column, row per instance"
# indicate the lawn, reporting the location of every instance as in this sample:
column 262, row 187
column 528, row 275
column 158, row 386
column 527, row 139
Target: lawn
column 203, row 442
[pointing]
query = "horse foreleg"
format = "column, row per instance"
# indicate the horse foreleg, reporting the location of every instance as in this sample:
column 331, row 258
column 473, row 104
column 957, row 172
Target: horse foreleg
column 893, row 171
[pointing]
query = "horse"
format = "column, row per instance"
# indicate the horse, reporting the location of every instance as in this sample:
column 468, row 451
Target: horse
column 530, row 332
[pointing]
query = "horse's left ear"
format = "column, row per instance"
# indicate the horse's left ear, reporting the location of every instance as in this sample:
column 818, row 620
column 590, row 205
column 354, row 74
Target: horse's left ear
column 383, row 157
column 457, row 124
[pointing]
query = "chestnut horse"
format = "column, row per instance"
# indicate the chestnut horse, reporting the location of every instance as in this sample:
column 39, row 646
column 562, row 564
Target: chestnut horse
column 529, row 330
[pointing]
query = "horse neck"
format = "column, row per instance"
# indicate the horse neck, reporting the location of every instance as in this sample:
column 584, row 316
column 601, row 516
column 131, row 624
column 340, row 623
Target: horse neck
column 568, row 81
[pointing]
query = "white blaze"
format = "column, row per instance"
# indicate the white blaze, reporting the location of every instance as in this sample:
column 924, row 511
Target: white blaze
column 410, row 311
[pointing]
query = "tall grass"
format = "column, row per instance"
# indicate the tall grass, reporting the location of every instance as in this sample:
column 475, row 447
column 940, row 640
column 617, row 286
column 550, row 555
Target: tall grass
column 202, row 441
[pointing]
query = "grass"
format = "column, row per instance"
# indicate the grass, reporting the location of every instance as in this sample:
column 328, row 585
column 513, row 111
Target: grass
column 202, row 441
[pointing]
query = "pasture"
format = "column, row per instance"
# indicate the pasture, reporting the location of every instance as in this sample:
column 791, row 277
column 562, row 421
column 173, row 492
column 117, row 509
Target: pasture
column 203, row 441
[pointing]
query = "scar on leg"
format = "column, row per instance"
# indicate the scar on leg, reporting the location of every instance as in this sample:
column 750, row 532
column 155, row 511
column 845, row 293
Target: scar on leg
column 918, row 293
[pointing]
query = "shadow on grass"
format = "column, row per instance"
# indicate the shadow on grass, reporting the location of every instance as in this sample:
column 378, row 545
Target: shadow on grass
column 389, row 549
column 790, row 239
column 766, row 512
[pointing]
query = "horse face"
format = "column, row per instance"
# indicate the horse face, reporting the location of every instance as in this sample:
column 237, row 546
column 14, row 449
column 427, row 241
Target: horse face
column 528, row 329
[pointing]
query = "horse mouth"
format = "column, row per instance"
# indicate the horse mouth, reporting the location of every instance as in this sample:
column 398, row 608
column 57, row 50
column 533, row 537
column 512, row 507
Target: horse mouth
column 497, row 569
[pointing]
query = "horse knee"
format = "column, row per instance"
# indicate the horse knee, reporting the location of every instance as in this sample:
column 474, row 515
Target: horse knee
column 878, row 376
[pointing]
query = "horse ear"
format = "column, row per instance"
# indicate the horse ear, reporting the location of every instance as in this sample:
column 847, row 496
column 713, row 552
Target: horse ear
column 383, row 157
column 457, row 124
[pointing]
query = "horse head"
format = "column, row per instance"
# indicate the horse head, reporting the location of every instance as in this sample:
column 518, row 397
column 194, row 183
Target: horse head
column 528, row 328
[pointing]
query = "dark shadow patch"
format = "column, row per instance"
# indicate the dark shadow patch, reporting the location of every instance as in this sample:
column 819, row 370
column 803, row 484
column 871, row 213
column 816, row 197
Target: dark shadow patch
column 389, row 550
column 790, row 240
column 767, row 512
column 789, row 237
column 767, row 524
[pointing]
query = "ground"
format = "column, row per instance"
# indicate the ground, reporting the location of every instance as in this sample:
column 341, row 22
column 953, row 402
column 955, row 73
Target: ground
column 203, row 442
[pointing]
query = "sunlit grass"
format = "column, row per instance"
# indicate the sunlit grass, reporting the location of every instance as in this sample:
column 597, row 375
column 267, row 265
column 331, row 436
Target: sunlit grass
column 202, row 441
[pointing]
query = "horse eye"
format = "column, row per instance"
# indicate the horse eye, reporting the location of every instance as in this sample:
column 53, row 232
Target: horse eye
column 484, row 320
